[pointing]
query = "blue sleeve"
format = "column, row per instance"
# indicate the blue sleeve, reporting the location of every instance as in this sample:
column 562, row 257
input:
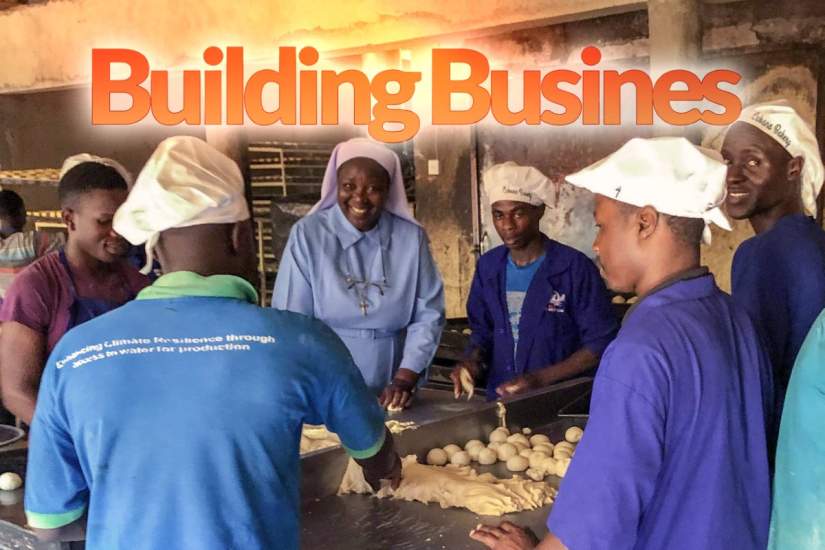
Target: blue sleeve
column 593, row 312
column 479, row 319
column 293, row 291
column 424, row 331
column 56, row 489
column 613, row 475
column 346, row 406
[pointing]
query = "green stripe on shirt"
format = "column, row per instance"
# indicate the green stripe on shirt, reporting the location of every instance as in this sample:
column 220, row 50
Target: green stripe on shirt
column 370, row 452
column 53, row 521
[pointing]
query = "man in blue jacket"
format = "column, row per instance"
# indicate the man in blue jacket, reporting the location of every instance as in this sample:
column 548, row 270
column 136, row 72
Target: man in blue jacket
column 538, row 310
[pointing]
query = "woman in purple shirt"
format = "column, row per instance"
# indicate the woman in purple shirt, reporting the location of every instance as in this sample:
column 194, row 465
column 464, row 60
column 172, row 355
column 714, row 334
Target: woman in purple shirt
column 87, row 278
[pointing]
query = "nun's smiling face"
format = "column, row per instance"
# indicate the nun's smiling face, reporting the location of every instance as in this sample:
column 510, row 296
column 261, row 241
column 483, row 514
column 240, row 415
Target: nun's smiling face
column 363, row 188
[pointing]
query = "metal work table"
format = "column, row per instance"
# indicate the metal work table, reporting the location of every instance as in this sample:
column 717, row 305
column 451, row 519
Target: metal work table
column 363, row 522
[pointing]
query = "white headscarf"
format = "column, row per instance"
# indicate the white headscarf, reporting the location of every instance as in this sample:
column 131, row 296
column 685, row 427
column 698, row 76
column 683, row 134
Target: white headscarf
column 784, row 125
column 362, row 147
column 74, row 160
column 670, row 174
column 511, row 182
column 185, row 182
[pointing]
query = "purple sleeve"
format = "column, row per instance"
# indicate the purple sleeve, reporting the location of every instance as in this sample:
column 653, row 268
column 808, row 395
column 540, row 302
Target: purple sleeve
column 613, row 475
column 593, row 311
column 27, row 301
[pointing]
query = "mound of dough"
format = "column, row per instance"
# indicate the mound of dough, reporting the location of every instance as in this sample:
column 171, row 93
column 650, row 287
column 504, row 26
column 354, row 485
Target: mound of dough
column 437, row 457
column 473, row 443
column 539, row 439
column 456, row 487
column 573, row 434
column 461, row 458
column 451, row 449
column 506, row 451
column 517, row 464
column 487, row 457
column 499, row 435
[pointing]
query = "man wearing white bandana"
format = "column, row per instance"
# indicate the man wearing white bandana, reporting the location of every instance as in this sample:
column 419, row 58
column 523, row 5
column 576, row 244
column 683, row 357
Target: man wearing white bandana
column 674, row 455
column 774, row 176
column 555, row 319
column 174, row 421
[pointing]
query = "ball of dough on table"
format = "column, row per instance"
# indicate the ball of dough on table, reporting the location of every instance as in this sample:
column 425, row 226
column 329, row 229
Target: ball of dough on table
column 9, row 481
column 539, row 439
column 499, row 435
column 437, row 457
column 525, row 453
column 573, row 434
column 562, row 452
column 473, row 443
column 526, row 431
column 544, row 448
column 520, row 439
column 537, row 459
column 506, row 451
column 487, row 456
column 474, row 451
column 535, row 474
column 494, row 445
column 451, row 449
column 561, row 466
column 517, row 464
column 461, row 458
column 549, row 466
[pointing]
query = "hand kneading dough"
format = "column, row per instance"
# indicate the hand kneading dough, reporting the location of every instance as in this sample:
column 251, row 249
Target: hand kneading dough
column 474, row 451
column 456, row 486
column 437, row 457
column 517, row 464
column 461, row 458
column 544, row 448
column 574, row 434
column 10, row 481
column 506, row 451
column 539, row 439
column 537, row 459
column 499, row 435
column 487, row 456
column 473, row 443
column 451, row 449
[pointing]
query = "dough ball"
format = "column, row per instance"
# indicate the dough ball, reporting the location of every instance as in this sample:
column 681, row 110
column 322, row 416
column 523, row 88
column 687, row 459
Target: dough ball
column 487, row 456
column 499, row 435
column 526, row 431
column 520, row 439
column 561, row 467
column 632, row 300
column 537, row 459
column 461, row 458
column 506, row 451
column 9, row 481
column 494, row 445
column 474, row 452
column 451, row 449
column 517, row 464
column 566, row 445
column 539, row 439
column 520, row 447
column 562, row 452
column 544, row 448
column 535, row 474
column 618, row 299
column 437, row 457
column 549, row 466
column 525, row 453
column 473, row 443
column 574, row 434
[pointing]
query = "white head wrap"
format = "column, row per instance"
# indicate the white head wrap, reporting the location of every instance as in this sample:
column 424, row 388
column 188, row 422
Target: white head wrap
column 670, row 174
column 362, row 147
column 185, row 182
column 782, row 123
column 74, row 160
column 511, row 182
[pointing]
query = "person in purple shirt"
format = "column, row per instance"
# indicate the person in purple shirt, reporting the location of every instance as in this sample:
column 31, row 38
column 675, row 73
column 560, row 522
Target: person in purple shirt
column 538, row 309
column 774, row 176
column 674, row 454
column 84, row 279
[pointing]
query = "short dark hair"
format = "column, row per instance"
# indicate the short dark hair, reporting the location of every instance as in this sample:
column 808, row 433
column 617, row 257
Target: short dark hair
column 687, row 230
column 87, row 177
column 11, row 205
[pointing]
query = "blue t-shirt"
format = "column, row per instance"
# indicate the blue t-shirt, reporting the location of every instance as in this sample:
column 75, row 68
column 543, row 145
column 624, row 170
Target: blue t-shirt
column 779, row 278
column 674, row 455
column 176, row 422
column 798, row 518
column 518, row 281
